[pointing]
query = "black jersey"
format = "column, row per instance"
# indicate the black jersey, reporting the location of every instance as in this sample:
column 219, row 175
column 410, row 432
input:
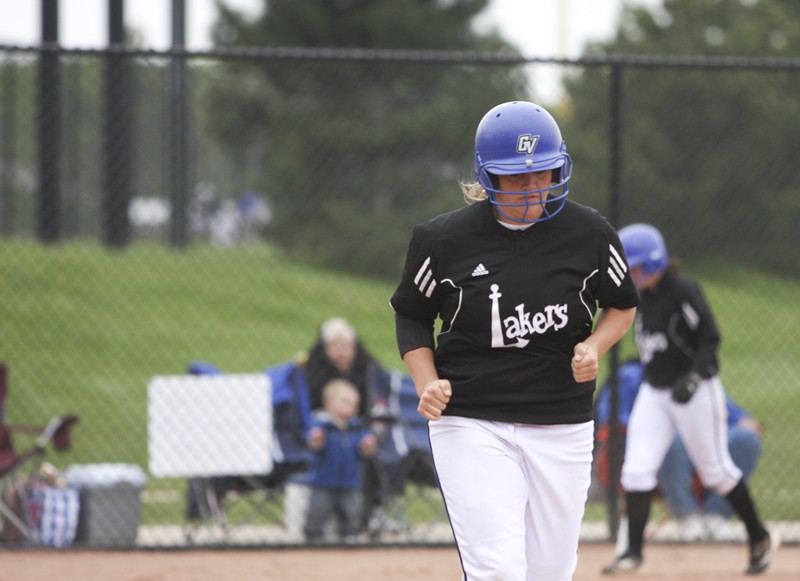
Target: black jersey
column 513, row 304
column 675, row 331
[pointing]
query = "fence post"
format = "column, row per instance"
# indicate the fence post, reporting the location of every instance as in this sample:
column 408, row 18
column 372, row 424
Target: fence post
column 615, row 129
column 8, row 136
column 49, row 208
column 178, row 127
column 117, row 194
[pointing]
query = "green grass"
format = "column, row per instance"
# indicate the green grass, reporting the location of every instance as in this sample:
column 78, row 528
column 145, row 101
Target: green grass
column 759, row 317
column 85, row 328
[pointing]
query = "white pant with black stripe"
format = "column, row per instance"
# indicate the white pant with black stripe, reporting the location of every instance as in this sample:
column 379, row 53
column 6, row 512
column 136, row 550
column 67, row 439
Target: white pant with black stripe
column 515, row 495
column 702, row 426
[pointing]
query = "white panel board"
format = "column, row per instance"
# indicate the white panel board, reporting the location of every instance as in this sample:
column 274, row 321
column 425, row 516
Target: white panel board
column 209, row 425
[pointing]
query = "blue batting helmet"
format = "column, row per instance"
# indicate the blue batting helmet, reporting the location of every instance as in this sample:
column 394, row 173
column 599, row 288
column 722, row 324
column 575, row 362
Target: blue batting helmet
column 644, row 246
column 521, row 137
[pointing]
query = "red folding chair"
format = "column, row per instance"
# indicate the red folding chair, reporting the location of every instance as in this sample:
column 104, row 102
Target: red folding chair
column 18, row 469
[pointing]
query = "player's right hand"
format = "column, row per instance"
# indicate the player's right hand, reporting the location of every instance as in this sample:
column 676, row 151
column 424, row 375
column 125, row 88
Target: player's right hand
column 434, row 398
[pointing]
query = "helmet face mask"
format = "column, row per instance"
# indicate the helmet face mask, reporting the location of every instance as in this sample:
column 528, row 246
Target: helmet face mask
column 515, row 138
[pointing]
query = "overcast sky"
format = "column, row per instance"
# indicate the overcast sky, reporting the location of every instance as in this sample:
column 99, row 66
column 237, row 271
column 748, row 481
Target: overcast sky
column 541, row 28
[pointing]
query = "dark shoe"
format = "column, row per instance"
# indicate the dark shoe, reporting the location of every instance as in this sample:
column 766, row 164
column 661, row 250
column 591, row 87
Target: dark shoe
column 761, row 553
column 627, row 563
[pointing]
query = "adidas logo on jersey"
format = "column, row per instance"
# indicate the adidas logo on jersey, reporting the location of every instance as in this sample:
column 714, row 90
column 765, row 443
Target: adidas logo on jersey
column 480, row 270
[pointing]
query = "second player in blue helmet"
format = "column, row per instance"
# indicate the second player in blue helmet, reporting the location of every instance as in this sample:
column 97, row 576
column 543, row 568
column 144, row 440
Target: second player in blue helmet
column 681, row 393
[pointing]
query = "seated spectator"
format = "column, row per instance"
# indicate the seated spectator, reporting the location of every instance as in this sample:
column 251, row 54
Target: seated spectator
column 339, row 442
column 339, row 354
column 703, row 513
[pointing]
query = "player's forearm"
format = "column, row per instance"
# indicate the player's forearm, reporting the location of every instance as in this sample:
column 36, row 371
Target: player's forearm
column 421, row 367
column 611, row 327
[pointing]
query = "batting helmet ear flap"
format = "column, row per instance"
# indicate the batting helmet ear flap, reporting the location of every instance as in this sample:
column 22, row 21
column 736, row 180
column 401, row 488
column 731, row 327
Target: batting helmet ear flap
column 560, row 173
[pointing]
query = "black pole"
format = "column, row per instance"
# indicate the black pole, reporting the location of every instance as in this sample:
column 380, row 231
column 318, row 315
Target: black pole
column 8, row 136
column 117, row 179
column 614, row 436
column 178, row 128
column 49, row 206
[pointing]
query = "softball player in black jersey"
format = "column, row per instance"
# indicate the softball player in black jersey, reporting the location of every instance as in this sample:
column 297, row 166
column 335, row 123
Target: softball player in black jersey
column 678, row 339
column 516, row 279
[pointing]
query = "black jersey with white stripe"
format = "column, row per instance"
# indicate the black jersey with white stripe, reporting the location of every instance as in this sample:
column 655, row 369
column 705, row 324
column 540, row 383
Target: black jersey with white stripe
column 513, row 304
column 675, row 331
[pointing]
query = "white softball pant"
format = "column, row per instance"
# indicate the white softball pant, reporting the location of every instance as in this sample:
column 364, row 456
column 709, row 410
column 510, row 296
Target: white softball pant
column 703, row 428
column 515, row 495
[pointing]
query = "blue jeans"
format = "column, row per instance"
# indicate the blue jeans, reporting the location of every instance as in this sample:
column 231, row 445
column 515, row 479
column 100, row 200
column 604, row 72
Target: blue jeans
column 347, row 505
column 676, row 475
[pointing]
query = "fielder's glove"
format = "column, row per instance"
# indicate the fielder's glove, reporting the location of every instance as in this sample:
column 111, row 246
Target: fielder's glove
column 684, row 388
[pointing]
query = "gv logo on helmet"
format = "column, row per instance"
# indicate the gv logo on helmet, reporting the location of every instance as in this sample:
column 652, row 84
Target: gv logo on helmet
column 527, row 143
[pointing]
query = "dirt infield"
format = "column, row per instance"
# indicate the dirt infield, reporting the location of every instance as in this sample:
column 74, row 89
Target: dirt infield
column 685, row 562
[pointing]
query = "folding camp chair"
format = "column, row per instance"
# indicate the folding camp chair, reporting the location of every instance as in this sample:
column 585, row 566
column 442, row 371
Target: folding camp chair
column 213, row 499
column 18, row 471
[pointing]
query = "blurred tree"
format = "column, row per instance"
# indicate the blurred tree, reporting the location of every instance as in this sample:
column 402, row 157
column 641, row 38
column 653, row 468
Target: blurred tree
column 696, row 138
column 352, row 154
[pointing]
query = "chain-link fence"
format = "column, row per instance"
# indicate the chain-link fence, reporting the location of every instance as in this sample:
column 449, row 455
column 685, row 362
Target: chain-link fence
column 176, row 227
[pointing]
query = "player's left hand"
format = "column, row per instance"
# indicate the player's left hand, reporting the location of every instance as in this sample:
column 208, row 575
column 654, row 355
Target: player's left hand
column 684, row 388
column 585, row 362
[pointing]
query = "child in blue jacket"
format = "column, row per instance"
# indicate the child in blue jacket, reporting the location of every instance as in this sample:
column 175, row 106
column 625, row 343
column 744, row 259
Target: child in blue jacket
column 340, row 444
